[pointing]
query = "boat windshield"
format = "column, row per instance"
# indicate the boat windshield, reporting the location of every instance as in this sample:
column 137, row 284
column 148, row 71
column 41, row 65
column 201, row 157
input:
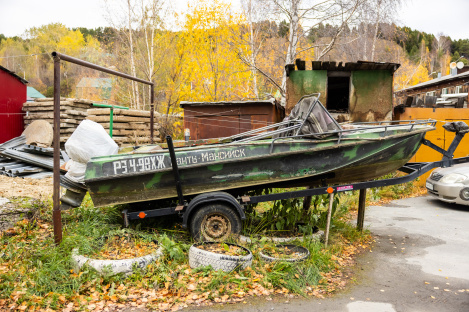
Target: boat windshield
column 316, row 118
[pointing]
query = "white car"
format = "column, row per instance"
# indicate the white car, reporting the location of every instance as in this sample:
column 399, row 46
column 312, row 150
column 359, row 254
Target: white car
column 450, row 184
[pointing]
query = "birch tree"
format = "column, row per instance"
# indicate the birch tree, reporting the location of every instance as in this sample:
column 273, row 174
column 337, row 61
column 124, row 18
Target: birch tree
column 136, row 30
column 302, row 15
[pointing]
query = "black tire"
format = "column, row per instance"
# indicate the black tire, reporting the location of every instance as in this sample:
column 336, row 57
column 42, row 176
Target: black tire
column 215, row 222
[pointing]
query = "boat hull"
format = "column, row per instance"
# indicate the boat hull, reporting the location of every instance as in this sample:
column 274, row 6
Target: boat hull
column 249, row 166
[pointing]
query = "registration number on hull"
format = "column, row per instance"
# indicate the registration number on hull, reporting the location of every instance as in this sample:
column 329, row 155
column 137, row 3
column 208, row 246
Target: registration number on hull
column 156, row 162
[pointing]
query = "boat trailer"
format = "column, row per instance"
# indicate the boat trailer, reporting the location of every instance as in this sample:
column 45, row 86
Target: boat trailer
column 186, row 209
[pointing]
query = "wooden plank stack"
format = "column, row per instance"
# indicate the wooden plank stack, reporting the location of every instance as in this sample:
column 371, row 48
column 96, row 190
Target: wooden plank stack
column 130, row 127
column 72, row 112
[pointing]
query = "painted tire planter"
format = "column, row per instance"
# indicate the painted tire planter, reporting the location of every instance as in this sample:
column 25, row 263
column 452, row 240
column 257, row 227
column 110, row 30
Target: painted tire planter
column 317, row 235
column 114, row 266
column 302, row 250
column 199, row 257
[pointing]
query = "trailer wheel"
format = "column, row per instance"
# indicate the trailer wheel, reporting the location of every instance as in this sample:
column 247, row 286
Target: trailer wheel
column 215, row 222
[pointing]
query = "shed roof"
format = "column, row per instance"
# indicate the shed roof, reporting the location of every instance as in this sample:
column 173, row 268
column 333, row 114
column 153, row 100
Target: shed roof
column 353, row 66
column 24, row 81
column 95, row 83
column 221, row 103
column 436, row 81
column 340, row 66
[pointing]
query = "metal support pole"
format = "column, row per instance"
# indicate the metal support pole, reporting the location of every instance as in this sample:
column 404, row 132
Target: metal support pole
column 111, row 114
column 56, row 214
column 174, row 164
column 329, row 214
column 111, row 120
column 152, row 108
column 151, row 123
column 361, row 209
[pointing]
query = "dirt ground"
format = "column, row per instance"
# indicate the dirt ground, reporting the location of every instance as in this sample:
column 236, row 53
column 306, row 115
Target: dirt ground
column 17, row 194
column 18, row 187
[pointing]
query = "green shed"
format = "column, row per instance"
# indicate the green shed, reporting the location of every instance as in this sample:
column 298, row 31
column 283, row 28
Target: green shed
column 360, row 91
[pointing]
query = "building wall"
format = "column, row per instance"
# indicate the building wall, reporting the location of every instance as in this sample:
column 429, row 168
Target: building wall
column 304, row 82
column 12, row 97
column 217, row 121
column 450, row 86
column 371, row 95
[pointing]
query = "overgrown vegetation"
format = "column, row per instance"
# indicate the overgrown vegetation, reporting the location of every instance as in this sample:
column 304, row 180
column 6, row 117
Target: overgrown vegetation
column 289, row 216
column 36, row 273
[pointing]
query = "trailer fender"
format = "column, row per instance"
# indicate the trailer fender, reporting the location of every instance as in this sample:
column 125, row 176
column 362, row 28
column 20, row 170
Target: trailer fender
column 212, row 197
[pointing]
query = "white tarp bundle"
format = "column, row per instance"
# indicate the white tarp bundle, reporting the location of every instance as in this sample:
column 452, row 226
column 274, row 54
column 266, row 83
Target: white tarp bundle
column 87, row 141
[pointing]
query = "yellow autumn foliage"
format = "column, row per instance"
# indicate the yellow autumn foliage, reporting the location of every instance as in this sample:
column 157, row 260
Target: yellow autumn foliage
column 410, row 74
column 212, row 70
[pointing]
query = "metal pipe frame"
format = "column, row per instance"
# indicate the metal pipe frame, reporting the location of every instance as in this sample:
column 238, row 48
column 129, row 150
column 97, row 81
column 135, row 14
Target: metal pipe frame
column 56, row 214
column 286, row 122
column 414, row 171
column 111, row 114
column 58, row 57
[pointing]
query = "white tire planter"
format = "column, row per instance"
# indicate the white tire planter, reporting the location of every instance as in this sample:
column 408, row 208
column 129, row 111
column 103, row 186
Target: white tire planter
column 199, row 257
column 295, row 248
column 114, row 266
column 318, row 235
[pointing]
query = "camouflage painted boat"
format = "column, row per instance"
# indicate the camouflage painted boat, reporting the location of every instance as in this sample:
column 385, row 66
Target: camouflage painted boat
column 304, row 150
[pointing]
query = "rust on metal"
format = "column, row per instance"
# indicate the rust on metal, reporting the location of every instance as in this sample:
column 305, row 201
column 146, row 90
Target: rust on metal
column 223, row 119
column 58, row 57
column 57, row 217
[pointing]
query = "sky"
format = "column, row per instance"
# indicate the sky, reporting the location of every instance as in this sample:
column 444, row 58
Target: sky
column 431, row 16
column 449, row 17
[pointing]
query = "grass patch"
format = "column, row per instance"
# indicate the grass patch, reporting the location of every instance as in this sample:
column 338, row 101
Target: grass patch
column 37, row 273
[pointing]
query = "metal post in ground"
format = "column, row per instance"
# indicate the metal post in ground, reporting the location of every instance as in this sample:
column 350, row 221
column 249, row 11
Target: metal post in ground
column 361, row 209
column 56, row 214
column 329, row 214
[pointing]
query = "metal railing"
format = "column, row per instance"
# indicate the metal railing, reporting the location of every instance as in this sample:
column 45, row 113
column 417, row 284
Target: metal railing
column 111, row 114
column 291, row 128
column 58, row 57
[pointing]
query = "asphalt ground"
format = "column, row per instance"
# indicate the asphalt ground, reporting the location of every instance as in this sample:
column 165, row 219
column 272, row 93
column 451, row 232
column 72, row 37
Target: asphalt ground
column 419, row 262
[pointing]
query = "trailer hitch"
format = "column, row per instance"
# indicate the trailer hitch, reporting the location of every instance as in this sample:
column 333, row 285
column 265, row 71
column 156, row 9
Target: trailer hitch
column 460, row 128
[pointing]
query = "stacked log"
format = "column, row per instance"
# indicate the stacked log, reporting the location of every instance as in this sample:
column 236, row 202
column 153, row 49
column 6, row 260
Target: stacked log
column 72, row 112
column 130, row 127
